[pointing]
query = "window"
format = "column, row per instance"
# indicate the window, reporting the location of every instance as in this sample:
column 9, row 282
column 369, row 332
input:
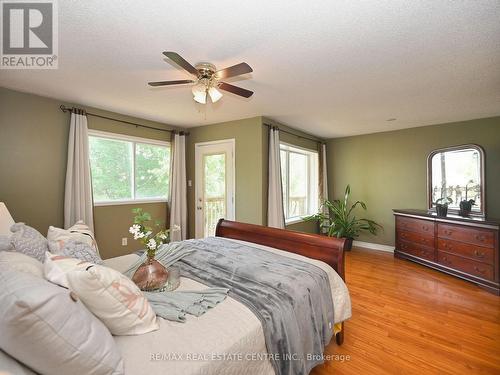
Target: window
column 127, row 169
column 299, row 175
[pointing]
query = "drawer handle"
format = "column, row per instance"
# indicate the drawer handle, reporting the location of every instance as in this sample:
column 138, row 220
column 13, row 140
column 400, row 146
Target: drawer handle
column 478, row 254
column 479, row 237
column 477, row 269
column 425, row 227
column 447, row 232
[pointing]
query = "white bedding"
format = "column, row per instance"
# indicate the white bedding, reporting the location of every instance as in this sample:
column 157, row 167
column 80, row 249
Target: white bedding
column 226, row 340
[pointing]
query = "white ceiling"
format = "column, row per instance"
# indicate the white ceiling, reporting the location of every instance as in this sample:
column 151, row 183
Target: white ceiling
column 331, row 68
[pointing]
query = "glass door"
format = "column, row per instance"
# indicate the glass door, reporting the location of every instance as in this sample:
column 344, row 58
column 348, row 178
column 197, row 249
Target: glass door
column 214, row 185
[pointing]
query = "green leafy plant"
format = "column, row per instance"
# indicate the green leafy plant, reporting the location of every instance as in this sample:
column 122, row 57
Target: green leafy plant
column 143, row 232
column 340, row 221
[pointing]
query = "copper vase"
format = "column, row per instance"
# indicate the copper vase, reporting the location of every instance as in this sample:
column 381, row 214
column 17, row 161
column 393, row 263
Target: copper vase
column 150, row 275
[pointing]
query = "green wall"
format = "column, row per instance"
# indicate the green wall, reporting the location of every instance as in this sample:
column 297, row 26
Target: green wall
column 251, row 158
column 299, row 139
column 33, row 152
column 248, row 166
column 389, row 170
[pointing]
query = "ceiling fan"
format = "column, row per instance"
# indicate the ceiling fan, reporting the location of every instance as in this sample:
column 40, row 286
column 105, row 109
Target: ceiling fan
column 208, row 79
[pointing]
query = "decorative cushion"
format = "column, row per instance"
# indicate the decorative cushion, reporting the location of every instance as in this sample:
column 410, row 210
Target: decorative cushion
column 29, row 241
column 57, row 266
column 9, row 365
column 6, row 242
column 50, row 332
column 58, row 237
column 79, row 250
column 21, row 262
column 114, row 299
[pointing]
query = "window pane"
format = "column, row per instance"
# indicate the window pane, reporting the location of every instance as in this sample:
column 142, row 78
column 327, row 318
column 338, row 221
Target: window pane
column 214, row 190
column 151, row 171
column 111, row 164
column 297, row 201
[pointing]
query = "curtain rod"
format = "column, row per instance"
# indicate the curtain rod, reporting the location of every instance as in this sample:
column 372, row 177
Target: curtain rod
column 70, row 109
column 296, row 135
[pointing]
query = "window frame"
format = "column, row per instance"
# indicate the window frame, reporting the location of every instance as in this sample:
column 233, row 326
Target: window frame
column 312, row 179
column 134, row 140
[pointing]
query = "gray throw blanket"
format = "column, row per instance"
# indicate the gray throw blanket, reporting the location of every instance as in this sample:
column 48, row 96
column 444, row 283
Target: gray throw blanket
column 291, row 298
column 175, row 305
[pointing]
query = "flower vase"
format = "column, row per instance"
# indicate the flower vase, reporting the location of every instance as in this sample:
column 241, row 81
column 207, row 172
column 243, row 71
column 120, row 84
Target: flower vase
column 150, row 275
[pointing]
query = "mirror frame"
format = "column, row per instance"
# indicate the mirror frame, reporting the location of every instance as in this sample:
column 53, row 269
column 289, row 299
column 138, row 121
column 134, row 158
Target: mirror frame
column 481, row 213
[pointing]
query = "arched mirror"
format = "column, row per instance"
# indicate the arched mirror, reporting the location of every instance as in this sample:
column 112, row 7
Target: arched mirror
column 456, row 176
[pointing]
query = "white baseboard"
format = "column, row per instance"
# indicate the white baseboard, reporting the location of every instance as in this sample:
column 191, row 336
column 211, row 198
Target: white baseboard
column 373, row 246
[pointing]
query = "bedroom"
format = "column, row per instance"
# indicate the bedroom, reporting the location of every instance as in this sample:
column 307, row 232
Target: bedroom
column 370, row 95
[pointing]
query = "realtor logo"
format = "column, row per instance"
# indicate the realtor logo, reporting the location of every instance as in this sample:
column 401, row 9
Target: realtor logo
column 29, row 34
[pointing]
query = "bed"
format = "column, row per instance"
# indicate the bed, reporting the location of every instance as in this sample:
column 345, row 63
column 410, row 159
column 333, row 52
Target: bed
column 230, row 339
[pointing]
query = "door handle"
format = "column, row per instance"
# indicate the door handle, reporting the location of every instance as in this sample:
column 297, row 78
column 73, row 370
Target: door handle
column 199, row 208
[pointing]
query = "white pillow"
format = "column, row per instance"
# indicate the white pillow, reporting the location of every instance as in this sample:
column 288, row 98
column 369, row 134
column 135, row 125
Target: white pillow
column 114, row 299
column 56, row 267
column 79, row 232
column 22, row 262
column 46, row 329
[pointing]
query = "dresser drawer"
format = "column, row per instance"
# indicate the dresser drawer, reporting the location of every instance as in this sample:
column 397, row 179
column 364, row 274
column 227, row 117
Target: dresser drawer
column 481, row 237
column 481, row 254
column 420, row 238
column 415, row 225
column 471, row 267
column 417, row 250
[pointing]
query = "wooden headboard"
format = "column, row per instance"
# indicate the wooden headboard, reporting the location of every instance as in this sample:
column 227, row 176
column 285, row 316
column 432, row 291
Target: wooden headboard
column 327, row 249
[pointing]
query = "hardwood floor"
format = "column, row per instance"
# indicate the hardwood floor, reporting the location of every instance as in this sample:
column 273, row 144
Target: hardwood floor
column 409, row 319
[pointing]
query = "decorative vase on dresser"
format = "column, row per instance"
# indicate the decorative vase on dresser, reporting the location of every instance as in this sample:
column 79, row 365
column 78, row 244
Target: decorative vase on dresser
column 462, row 247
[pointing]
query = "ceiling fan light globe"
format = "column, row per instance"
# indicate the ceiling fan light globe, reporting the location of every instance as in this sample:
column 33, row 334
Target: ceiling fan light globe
column 215, row 94
column 200, row 97
column 199, row 93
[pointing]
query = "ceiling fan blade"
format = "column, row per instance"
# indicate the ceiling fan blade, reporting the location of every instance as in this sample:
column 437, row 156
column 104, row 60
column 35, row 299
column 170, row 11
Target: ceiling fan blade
column 235, row 90
column 175, row 57
column 168, row 83
column 233, row 71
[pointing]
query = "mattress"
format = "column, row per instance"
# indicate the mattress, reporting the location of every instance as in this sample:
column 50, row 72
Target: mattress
column 226, row 340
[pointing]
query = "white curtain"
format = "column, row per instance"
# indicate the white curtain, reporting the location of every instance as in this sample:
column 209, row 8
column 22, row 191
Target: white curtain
column 178, row 200
column 323, row 181
column 275, row 213
column 78, row 203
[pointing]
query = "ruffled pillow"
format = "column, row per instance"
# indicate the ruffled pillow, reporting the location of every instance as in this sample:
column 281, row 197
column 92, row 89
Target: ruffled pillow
column 80, row 250
column 29, row 241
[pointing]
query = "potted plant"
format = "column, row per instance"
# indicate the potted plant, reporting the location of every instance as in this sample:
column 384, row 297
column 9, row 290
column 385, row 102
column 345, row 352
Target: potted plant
column 339, row 221
column 466, row 204
column 442, row 208
column 151, row 274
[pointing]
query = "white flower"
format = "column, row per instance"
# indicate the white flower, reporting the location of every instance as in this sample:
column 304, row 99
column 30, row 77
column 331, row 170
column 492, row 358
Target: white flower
column 163, row 236
column 148, row 233
column 134, row 228
column 151, row 244
column 175, row 228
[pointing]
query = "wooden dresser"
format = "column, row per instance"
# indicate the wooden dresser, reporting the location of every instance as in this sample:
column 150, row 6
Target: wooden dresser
column 463, row 247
